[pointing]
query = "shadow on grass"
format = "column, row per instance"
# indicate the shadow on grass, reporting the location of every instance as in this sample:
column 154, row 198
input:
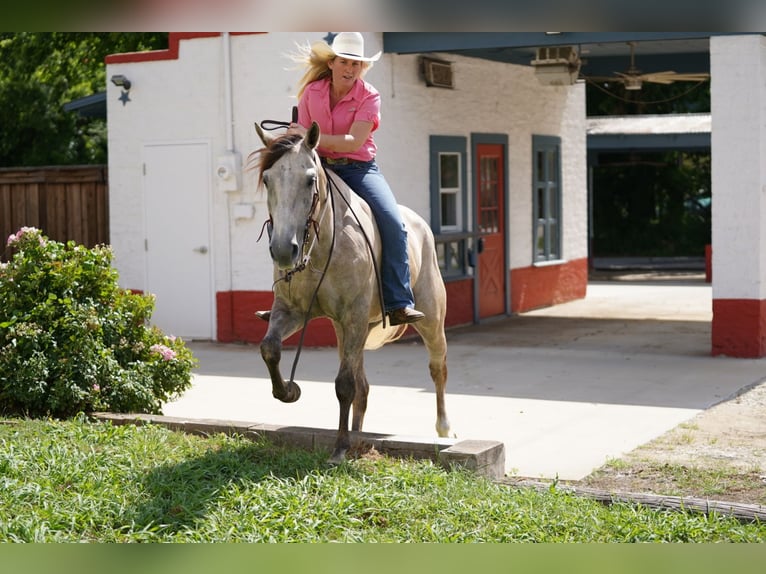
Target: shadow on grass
column 180, row 494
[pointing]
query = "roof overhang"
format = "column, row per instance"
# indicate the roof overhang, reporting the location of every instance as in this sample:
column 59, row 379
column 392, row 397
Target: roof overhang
column 688, row 132
column 93, row 106
column 602, row 53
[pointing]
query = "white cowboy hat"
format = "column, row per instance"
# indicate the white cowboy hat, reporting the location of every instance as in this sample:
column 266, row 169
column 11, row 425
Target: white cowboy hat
column 351, row 45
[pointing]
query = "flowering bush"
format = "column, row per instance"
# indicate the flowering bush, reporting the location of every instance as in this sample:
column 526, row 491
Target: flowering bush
column 72, row 341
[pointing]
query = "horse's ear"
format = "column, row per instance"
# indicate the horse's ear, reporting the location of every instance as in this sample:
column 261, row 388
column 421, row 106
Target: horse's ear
column 265, row 138
column 312, row 137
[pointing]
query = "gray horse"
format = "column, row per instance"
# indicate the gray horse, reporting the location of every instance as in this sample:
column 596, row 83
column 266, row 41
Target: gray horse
column 322, row 238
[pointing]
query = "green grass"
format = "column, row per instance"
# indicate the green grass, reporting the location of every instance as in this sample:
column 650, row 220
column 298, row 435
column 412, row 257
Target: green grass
column 85, row 481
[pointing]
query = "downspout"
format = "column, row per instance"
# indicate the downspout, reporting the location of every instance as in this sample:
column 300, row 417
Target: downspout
column 227, row 86
column 229, row 128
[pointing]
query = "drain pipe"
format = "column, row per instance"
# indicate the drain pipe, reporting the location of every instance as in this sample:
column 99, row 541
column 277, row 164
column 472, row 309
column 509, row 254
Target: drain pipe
column 229, row 166
column 228, row 103
column 227, row 163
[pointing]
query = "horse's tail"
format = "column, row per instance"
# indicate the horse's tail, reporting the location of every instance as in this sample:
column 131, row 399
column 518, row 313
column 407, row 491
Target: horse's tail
column 378, row 336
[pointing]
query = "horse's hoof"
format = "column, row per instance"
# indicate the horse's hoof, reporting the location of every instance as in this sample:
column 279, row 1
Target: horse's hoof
column 292, row 393
column 338, row 456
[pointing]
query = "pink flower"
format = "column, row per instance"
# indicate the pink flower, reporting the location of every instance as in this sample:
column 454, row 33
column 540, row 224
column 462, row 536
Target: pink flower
column 166, row 353
column 96, row 387
column 14, row 238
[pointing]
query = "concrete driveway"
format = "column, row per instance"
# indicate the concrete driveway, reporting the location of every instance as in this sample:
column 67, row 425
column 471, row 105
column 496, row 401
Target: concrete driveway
column 565, row 389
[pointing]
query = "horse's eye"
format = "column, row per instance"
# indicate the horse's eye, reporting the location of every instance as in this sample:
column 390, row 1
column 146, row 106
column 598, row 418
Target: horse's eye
column 265, row 179
column 312, row 179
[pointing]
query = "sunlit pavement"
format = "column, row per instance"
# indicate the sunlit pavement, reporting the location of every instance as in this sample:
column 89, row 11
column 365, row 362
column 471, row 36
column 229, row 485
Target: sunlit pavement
column 565, row 388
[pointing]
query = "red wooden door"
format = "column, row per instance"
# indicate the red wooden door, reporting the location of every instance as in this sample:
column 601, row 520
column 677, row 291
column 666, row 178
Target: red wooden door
column 490, row 186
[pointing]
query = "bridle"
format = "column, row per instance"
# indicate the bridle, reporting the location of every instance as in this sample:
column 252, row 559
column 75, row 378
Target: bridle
column 307, row 243
column 311, row 222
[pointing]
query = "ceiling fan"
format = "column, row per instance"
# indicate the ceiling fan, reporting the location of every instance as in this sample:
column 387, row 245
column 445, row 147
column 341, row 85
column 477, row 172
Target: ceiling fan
column 633, row 79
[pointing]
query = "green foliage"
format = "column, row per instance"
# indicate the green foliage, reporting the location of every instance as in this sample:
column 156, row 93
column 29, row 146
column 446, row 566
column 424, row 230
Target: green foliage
column 653, row 205
column 72, row 341
column 39, row 73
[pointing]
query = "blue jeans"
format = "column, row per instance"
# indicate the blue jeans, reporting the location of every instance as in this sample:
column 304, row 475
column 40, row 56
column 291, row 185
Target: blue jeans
column 368, row 182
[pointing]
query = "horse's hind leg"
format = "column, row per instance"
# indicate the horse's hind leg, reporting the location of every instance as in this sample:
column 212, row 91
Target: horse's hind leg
column 438, row 369
column 436, row 344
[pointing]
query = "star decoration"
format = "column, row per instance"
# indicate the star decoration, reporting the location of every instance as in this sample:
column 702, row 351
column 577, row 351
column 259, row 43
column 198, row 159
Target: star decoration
column 124, row 97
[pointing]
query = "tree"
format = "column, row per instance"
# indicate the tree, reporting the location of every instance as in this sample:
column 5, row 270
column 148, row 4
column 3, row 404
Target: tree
column 39, row 73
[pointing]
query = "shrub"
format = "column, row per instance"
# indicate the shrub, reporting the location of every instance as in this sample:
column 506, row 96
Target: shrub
column 71, row 340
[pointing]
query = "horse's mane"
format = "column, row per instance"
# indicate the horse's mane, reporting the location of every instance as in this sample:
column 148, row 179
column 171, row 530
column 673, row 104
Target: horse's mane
column 265, row 158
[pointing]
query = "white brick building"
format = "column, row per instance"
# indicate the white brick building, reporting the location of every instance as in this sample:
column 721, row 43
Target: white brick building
column 184, row 218
column 183, row 232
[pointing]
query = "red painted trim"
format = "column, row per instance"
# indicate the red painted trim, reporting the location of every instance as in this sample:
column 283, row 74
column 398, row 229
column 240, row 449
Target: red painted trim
column 236, row 321
column 532, row 287
column 459, row 302
column 535, row 287
column 739, row 328
column 174, row 39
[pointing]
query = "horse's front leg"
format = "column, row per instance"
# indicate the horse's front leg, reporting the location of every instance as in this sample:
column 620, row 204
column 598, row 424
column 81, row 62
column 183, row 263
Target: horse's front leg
column 344, row 391
column 350, row 389
column 282, row 324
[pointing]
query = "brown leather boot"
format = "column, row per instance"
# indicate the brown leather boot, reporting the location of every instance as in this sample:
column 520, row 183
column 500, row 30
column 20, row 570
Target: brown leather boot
column 404, row 315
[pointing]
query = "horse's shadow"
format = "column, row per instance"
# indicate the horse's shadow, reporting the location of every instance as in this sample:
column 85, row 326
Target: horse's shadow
column 178, row 495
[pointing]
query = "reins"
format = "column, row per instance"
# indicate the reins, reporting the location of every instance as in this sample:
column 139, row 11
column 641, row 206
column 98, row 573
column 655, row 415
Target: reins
column 332, row 187
column 278, row 124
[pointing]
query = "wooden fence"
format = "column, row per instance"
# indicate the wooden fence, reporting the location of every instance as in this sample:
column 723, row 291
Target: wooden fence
column 64, row 202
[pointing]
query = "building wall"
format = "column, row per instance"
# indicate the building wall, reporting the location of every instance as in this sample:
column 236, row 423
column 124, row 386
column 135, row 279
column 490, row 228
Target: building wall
column 184, row 98
column 738, row 101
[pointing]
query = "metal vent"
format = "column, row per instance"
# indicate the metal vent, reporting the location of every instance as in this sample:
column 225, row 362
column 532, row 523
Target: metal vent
column 437, row 73
column 557, row 65
column 556, row 55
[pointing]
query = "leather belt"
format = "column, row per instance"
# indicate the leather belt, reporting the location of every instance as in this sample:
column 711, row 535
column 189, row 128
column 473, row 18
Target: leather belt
column 338, row 160
column 344, row 161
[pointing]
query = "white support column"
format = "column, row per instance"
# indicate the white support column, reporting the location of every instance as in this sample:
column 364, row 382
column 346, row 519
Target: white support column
column 738, row 145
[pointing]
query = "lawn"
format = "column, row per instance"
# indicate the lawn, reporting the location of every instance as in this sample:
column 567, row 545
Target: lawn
column 90, row 481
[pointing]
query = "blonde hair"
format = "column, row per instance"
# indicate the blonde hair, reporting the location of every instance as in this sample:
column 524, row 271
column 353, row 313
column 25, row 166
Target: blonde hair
column 315, row 58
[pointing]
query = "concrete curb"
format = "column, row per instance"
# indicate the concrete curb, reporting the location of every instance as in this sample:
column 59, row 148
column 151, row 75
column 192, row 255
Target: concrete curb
column 484, row 457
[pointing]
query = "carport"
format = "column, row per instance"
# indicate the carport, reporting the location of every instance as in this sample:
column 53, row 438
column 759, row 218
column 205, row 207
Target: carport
column 737, row 66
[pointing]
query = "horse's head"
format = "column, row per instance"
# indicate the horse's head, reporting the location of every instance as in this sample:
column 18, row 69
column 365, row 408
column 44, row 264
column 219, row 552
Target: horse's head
column 290, row 170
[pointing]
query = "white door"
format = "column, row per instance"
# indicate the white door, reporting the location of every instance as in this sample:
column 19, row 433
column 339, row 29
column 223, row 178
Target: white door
column 178, row 255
